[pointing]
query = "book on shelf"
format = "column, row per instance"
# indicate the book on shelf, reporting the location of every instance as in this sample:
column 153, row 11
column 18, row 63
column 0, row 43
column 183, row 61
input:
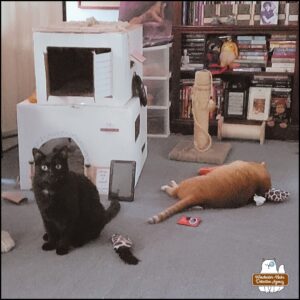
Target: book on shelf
column 224, row 10
column 197, row 13
column 252, row 42
column 285, row 64
column 252, row 46
column 280, row 69
column 252, row 57
column 247, row 69
column 251, row 37
column 262, row 52
column 292, row 13
column 283, row 37
column 192, row 67
column 284, row 59
column 209, row 12
column 255, row 17
column 185, row 98
column 281, row 12
column 243, row 13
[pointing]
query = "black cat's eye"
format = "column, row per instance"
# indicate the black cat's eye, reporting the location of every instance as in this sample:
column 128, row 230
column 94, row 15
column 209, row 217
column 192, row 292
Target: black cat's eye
column 44, row 167
column 58, row 166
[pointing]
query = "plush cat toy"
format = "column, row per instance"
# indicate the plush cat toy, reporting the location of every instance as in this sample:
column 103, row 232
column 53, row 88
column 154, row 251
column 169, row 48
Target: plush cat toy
column 122, row 245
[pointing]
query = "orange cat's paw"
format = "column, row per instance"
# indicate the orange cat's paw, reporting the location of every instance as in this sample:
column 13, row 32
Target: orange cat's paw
column 164, row 187
column 173, row 183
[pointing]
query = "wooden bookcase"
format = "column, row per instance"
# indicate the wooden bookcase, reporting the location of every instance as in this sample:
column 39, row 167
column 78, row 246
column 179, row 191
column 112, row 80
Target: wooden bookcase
column 185, row 126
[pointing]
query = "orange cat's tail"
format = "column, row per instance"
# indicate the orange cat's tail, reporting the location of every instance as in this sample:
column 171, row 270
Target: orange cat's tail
column 170, row 211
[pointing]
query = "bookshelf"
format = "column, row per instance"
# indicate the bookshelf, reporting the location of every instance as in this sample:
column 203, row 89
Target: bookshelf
column 185, row 125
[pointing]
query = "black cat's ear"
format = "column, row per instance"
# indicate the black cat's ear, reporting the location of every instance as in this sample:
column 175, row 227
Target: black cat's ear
column 63, row 152
column 37, row 154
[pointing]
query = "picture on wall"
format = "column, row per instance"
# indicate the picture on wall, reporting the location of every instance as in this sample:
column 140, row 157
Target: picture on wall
column 269, row 13
column 259, row 103
column 99, row 4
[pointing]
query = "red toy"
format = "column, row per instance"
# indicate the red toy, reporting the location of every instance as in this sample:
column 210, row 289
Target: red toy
column 189, row 221
column 205, row 170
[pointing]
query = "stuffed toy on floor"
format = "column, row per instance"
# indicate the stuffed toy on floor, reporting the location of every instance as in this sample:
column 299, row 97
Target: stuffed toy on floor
column 7, row 243
column 122, row 246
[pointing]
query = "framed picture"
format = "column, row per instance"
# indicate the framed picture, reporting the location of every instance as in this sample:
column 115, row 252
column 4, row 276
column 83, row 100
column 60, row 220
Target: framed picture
column 235, row 104
column 259, row 103
column 269, row 13
column 99, row 4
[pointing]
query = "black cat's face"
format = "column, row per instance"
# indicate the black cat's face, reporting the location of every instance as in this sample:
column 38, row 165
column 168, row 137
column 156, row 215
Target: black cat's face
column 50, row 169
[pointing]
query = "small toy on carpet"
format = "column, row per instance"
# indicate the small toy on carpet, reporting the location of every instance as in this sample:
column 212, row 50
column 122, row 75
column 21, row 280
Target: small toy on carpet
column 273, row 195
column 7, row 243
column 276, row 195
column 122, row 246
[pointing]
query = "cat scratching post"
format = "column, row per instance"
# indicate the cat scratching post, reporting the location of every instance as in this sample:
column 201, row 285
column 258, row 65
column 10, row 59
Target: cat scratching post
column 201, row 106
column 202, row 149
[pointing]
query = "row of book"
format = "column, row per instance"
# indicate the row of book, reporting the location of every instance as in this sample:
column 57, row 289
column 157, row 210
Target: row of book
column 199, row 13
column 283, row 49
column 253, row 54
column 186, row 98
column 257, row 53
column 280, row 86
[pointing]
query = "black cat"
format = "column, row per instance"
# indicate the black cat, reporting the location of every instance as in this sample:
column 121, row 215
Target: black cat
column 69, row 203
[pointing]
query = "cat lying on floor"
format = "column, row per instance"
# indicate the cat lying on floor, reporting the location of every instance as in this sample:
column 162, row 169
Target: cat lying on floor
column 228, row 186
column 69, row 203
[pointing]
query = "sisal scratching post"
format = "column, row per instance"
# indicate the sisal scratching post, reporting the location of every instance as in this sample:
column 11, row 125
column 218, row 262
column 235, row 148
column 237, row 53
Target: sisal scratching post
column 201, row 149
column 202, row 105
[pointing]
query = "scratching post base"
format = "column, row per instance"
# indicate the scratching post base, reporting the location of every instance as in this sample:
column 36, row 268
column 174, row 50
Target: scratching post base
column 186, row 151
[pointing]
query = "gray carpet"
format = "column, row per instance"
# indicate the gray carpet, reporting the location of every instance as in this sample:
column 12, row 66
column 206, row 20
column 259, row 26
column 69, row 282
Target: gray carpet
column 215, row 260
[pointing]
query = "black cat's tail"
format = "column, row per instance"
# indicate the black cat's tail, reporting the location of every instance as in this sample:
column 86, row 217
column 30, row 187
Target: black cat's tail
column 112, row 210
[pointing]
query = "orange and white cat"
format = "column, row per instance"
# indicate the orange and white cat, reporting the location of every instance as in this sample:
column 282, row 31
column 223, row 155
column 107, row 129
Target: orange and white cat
column 227, row 186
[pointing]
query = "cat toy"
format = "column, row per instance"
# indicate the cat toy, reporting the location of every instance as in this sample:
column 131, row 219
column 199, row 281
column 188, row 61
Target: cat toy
column 122, row 246
column 7, row 243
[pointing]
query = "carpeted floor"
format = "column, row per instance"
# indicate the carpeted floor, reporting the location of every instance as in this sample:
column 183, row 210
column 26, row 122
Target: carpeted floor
column 215, row 260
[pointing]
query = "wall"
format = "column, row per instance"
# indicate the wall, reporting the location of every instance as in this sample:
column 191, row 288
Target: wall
column 17, row 67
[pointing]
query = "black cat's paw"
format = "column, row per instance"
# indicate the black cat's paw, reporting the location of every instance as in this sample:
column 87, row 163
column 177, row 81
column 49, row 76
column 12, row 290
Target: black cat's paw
column 62, row 251
column 77, row 243
column 48, row 246
column 45, row 237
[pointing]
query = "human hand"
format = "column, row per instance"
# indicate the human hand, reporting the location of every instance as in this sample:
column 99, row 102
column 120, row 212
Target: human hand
column 154, row 13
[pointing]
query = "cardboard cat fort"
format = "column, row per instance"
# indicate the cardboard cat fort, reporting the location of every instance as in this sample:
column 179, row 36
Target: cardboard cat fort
column 84, row 74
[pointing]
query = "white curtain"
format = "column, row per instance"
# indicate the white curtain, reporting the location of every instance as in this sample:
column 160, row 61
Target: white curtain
column 17, row 66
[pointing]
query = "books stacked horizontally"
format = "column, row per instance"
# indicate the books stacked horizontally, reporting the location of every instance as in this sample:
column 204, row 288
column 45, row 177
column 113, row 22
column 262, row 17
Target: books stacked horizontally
column 253, row 55
column 283, row 49
column 193, row 45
